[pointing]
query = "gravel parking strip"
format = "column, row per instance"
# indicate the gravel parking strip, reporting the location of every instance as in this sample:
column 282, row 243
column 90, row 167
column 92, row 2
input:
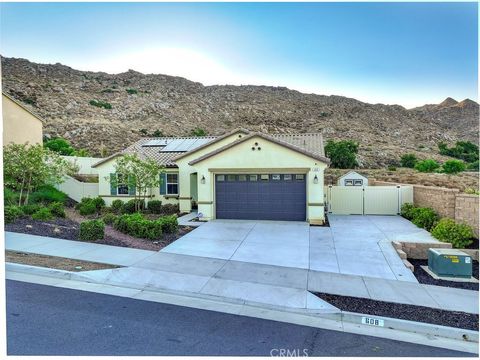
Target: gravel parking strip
column 402, row 311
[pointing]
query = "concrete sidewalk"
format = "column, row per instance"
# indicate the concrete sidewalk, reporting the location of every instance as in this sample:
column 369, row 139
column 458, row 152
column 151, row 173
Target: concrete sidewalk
column 243, row 281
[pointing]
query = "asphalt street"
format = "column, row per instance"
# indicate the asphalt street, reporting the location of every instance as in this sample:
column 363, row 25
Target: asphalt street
column 45, row 320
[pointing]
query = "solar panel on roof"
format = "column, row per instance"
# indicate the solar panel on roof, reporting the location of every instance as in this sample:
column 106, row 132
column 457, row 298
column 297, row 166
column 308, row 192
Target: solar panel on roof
column 156, row 142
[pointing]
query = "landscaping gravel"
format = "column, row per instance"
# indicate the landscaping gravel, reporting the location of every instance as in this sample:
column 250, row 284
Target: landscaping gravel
column 424, row 278
column 402, row 311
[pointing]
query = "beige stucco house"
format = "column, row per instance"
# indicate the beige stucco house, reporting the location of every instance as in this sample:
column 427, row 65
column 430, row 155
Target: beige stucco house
column 20, row 125
column 240, row 175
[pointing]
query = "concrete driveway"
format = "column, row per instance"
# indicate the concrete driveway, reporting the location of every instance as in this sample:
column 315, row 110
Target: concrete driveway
column 355, row 245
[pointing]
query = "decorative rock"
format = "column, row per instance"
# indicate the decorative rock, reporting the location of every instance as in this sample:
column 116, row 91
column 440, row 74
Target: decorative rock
column 57, row 230
column 29, row 227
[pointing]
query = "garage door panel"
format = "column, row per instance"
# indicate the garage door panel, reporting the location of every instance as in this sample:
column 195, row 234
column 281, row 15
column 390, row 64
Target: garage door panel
column 262, row 199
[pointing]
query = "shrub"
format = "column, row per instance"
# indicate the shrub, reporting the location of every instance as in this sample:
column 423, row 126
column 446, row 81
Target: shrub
column 459, row 235
column 199, row 132
column 408, row 161
column 129, row 206
column 424, row 218
column 12, row 213
column 101, row 104
column 117, row 206
column 10, row 197
column 169, row 224
column 109, row 218
column 47, row 194
column 60, row 146
column 136, row 225
column 57, row 209
column 428, row 165
column 472, row 191
column 407, row 211
column 132, row 91
column 170, row 209
column 98, row 202
column 42, row 214
column 92, row 230
column 463, row 150
column 155, row 206
column 391, row 168
column 453, row 166
column 473, row 166
column 87, row 208
column 30, row 209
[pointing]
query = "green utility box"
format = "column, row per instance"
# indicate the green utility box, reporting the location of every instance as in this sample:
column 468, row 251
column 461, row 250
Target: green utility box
column 450, row 263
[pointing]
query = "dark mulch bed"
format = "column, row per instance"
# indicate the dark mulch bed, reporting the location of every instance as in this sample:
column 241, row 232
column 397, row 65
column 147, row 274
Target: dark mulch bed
column 54, row 262
column 69, row 230
column 424, row 278
column 402, row 311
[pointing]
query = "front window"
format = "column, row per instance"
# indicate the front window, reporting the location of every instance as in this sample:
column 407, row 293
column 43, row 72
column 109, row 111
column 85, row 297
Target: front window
column 172, row 184
column 348, row 182
column 122, row 184
column 358, row 182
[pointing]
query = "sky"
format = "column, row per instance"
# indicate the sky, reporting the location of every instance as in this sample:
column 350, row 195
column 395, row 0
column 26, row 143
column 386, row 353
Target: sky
column 393, row 53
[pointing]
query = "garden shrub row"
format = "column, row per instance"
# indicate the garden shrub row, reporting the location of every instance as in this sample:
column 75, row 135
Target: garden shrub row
column 153, row 206
column 136, row 225
column 90, row 206
column 36, row 211
column 445, row 229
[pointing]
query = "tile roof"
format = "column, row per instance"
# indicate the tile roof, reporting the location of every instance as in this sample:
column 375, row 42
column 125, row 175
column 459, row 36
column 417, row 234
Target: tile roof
column 309, row 144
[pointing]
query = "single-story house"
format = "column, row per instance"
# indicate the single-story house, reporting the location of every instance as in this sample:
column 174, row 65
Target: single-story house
column 240, row 175
column 20, row 125
column 352, row 178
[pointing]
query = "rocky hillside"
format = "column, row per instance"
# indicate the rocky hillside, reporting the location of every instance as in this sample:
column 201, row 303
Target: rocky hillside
column 176, row 106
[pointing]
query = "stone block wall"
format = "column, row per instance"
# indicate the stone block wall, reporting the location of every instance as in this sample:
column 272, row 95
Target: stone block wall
column 466, row 210
column 446, row 202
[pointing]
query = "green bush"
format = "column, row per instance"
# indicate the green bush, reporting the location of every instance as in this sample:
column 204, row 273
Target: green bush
column 98, row 202
column 453, row 166
column 30, row 209
column 42, row 214
column 155, row 206
column 463, row 150
column 342, row 154
column 472, row 191
column 170, row 209
column 199, row 132
column 408, row 160
column 92, row 230
column 428, row 165
column 10, row 197
column 407, row 211
column 132, row 91
column 136, row 225
column 109, row 218
column 117, row 206
column 57, row 209
column 47, row 194
column 60, row 146
column 424, row 218
column 101, row 104
column 12, row 213
column 459, row 235
column 87, row 208
column 129, row 206
column 391, row 168
column 169, row 224
column 474, row 166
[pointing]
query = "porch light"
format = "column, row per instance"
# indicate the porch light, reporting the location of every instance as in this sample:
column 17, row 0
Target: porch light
column 202, row 180
column 315, row 180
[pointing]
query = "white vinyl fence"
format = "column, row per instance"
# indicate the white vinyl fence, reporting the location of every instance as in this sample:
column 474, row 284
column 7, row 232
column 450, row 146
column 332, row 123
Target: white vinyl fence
column 77, row 190
column 84, row 163
column 367, row 200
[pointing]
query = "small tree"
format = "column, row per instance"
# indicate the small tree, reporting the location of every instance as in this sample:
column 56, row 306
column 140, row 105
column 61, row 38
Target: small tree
column 428, row 165
column 342, row 154
column 453, row 166
column 27, row 167
column 157, row 133
column 141, row 174
column 408, row 160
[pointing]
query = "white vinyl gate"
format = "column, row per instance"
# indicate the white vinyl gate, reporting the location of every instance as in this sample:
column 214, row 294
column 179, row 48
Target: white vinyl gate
column 367, row 200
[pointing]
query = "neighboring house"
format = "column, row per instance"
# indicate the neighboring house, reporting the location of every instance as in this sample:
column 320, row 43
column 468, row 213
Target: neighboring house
column 240, row 175
column 20, row 125
column 352, row 178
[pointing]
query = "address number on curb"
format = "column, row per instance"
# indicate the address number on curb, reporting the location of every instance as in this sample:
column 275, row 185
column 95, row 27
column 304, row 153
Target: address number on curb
column 372, row 321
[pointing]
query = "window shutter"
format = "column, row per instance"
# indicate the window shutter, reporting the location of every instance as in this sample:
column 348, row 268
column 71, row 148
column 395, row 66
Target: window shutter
column 163, row 183
column 113, row 184
column 131, row 185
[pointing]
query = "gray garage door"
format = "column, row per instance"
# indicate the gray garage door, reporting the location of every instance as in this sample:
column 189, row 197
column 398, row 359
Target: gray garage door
column 261, row 197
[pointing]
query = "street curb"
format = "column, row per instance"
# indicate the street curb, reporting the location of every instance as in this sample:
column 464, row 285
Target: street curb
column 356, row 319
